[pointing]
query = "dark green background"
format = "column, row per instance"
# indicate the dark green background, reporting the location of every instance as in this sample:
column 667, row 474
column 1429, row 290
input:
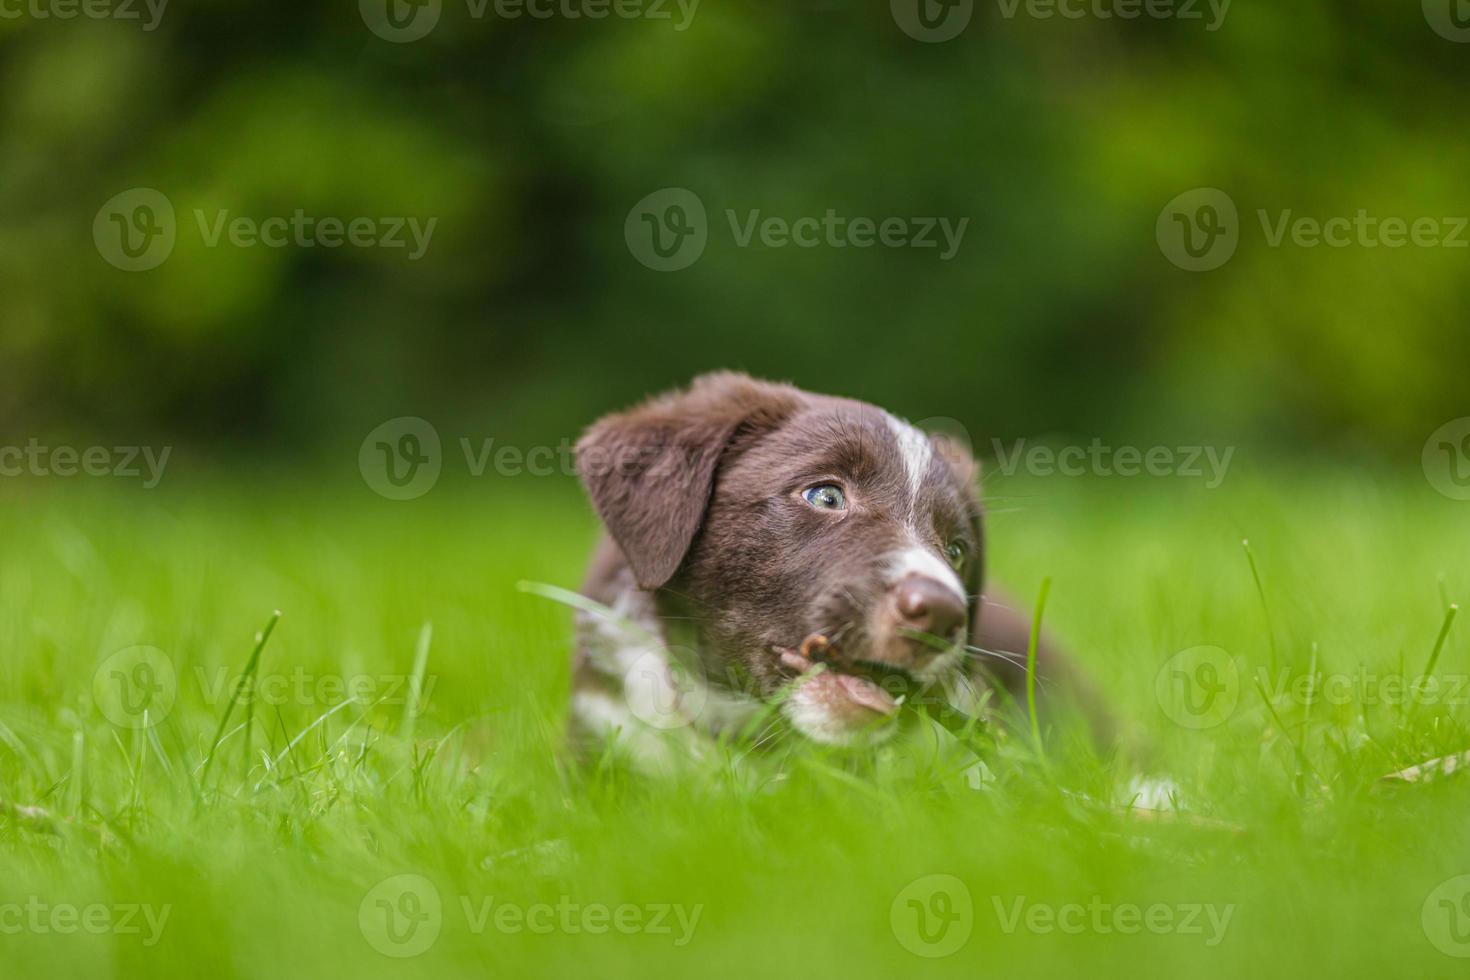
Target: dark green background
column 529, row 140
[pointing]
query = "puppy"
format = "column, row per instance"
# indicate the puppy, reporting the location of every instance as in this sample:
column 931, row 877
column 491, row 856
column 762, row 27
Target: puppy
column 755, row 529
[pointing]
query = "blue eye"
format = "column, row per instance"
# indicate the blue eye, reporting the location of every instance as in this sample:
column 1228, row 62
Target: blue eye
column 825, row 496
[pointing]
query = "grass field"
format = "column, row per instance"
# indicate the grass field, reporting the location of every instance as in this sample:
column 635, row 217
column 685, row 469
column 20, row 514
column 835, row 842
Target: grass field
column 275, row 844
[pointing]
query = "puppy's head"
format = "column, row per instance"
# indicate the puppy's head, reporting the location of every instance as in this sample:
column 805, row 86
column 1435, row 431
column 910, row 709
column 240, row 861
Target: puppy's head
column 762, row 516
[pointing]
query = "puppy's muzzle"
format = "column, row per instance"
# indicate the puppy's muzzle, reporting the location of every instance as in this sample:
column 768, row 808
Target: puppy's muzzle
column 928, row 606
column 919, row 620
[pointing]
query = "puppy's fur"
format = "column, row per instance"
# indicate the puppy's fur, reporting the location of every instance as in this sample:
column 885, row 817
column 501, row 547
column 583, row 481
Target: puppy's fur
column 719, row 566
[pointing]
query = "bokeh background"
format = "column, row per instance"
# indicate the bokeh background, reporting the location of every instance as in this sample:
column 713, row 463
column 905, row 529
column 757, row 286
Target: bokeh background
column 528, row 141
column 1062, row 319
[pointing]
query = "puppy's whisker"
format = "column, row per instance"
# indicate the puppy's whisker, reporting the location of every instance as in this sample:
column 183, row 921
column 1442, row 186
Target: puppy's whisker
column 1009, row 658
column 998, row 654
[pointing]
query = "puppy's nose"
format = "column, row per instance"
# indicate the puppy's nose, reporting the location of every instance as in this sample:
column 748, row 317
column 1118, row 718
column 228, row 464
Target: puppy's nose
column 930, row 606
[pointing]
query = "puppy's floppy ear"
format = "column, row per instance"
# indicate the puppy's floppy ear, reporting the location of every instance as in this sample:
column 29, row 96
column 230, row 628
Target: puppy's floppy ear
column 650, row 470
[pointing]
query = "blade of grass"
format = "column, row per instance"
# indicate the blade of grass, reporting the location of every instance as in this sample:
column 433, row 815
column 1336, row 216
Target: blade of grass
column 1444, row 632
column 577, row 601
column 1250, row 557
column 78, row 762
column 1031, row 645
column 1304, row 765
column 1311, row 691
column 276, row 763
column 416, row 680
column 247, row 677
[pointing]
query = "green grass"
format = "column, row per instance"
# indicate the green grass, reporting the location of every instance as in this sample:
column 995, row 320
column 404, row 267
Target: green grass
column 794, row 860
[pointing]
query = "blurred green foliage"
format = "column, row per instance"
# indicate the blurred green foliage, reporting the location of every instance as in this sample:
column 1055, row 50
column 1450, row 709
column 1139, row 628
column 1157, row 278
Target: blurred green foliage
column 529, row 141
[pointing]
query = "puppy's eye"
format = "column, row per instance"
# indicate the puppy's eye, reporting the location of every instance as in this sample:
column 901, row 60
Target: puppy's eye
column 825, row 496
column 955, row 552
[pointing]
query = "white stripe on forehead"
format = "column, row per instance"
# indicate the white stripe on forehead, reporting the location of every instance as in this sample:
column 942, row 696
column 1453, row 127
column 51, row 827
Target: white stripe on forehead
column 917, row 453
column 915, row 449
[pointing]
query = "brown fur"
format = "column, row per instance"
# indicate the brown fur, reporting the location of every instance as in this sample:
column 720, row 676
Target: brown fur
column 712, row 544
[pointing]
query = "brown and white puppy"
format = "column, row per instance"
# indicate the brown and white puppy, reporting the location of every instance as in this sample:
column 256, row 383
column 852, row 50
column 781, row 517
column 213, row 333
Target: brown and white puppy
column 745, row 517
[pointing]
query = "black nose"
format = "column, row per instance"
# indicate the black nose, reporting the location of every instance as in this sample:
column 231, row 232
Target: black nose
column 930, row 606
